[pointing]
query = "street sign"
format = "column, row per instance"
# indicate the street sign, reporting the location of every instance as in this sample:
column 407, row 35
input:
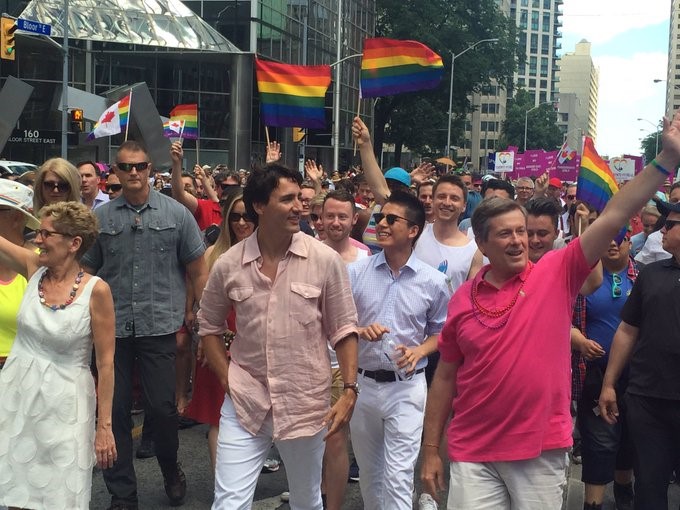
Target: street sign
column 41, row 137
column 33, row 26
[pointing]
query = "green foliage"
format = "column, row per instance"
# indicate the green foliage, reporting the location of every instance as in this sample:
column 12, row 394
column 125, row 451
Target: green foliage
column 648, row 145
column 419, row 119
column 542, row 130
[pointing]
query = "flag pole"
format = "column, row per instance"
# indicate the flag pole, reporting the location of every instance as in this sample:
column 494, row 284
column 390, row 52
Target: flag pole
column 358, row 115
column 181, row 130
column 266, row 134
column 198, row 135
column 127, row 125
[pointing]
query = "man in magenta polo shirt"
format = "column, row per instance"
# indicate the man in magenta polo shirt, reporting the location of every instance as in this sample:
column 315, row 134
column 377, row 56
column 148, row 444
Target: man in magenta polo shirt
column 505, row 355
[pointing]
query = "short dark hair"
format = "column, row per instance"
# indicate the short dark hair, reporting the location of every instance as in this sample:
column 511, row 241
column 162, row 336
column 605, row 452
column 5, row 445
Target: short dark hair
column 543, row 206
column 427, row 182
column 346, row 185
column 132, row 146
column 97, row 170
column 452, row 179
column 498, row 184
column 415, row 212
column 341, row 195
column 487, row 210
column 263, row 181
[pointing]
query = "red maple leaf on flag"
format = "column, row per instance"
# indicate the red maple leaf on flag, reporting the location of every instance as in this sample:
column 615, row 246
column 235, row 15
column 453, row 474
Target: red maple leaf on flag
column 108, row 117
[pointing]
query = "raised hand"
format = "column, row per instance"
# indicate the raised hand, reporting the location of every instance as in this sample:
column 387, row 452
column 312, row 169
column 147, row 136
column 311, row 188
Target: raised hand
column 273, row 152
column 313, row 172
column 422, row 173
column 360, row 132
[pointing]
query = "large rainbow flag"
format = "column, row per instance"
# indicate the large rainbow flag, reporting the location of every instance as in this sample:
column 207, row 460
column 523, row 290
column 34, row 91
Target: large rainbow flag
column 596, row 183
column 188, row 115
column 390, row 66
column 292, row 95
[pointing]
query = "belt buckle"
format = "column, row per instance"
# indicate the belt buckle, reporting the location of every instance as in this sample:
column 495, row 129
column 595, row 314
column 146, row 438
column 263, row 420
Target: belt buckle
column 383, row 376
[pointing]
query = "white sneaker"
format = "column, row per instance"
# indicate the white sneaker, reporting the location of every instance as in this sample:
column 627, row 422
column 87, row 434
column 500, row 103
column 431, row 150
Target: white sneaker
column 427, row 502
column 285, row 496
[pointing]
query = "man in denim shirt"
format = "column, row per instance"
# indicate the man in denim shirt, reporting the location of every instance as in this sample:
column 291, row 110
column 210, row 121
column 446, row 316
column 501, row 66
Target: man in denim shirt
column 147, row 243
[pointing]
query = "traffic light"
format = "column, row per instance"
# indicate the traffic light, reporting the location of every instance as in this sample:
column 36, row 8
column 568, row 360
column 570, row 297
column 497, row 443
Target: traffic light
column 7, row 42
column 299, row 134
column 77, row 121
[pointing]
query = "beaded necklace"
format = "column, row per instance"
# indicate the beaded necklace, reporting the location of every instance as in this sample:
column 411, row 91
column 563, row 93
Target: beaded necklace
column 481, row 313
column 71, row 297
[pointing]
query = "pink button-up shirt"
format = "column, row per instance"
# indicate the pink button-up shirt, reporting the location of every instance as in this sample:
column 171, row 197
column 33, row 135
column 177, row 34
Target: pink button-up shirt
column 279, row 357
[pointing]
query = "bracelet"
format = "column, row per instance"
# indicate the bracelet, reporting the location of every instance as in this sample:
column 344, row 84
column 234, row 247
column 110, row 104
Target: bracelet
column 660, row 168
column 431, row 445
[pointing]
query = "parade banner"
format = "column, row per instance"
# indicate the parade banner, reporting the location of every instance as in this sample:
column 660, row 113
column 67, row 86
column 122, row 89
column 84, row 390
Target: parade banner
column 622, row 168
column 504, row 163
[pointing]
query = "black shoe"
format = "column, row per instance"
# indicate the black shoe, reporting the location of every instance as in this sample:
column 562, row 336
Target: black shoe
column 624, row 496
column 354, row 471
column 175, row 484
column 147, row 449
column 122, row 506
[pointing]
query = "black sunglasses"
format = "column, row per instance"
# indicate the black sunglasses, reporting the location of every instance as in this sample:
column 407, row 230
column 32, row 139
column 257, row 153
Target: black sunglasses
column 61, row 187
column 127, row 167
column 571, row 197
column 235, row 217
column 390, row 218
column 228, row 186
column 314, row 217
column 113, row 188
column 669, row 224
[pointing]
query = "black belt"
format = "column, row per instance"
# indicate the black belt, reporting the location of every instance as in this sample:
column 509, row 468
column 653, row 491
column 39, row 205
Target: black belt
column 385, row 375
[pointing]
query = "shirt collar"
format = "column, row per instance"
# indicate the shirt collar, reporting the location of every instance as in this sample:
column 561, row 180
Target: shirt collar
column 411, row 263
column 522, row 276
column 298, row 246
column 153, row 202
column 671, row 262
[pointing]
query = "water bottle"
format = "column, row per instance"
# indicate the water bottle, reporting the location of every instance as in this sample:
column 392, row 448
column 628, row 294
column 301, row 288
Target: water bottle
column 390, row 351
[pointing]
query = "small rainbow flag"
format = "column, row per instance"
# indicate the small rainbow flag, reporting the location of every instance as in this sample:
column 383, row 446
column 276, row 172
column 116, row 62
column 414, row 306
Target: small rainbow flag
column 596, row 183
column 292, row 95
column 390, row 66
column 188, row 113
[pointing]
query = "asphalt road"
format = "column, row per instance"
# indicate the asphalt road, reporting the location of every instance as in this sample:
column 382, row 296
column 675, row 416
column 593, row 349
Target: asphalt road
column 194, row 458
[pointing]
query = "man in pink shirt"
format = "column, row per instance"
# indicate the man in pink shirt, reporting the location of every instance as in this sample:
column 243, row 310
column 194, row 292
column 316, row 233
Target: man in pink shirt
column 505, row 356
column 291, row 297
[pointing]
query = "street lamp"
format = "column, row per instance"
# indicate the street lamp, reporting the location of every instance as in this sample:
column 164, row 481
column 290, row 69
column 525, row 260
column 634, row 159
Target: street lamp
column 526, row 119
column 453, row 61
column 656, row 128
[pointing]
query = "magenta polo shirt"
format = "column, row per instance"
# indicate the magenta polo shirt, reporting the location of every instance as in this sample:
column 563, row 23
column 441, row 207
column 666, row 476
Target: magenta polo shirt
column 514, row 382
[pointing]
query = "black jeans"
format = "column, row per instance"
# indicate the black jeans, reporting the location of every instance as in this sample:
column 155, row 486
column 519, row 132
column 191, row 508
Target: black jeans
column 654, row 426
column 155, row 357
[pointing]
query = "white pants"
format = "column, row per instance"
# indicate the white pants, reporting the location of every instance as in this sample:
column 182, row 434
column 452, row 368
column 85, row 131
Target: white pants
column 534, row 484
column 240, row 457
column 386, row 430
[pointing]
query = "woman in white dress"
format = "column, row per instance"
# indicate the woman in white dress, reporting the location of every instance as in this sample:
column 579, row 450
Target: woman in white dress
column 48, row 439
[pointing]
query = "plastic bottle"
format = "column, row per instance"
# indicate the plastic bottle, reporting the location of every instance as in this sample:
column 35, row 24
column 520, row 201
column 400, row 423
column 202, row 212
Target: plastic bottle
column 393, row 355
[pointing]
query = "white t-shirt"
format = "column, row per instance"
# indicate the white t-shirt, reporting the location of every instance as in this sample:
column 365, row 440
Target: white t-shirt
column 453, row 261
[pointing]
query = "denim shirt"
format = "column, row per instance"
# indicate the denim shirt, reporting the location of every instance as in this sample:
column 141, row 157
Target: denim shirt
column 141, row 252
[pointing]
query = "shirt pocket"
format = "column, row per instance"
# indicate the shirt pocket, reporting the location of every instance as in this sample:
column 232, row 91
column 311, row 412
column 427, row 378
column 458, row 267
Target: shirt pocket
column 163, row 236
column 304, row 303
column 109, row 238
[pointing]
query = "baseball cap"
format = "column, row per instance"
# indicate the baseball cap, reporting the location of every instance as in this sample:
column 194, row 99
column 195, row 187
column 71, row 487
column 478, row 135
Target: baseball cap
column 666, row 207
column 554, row 181
column 19, row 197
column 399, row 174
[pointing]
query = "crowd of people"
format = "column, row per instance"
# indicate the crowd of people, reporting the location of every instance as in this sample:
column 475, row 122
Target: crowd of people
column 402, row 315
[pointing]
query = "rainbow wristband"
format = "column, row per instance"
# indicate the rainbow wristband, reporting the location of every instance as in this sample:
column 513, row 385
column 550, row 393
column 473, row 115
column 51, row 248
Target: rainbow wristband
column 660, row 168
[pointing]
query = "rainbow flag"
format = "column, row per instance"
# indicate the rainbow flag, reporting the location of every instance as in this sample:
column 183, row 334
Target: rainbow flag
column 391, row 67
column 596, row 183
column 189, row 114
column 114, row 120
column 291, row 95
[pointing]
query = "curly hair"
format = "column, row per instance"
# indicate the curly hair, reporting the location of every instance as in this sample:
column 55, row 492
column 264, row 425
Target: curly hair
column 75, row 220
column 62, row 169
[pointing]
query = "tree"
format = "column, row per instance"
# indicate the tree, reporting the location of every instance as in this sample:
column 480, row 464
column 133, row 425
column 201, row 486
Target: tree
column 419, row 119
column 648, row 145
column 542, row 130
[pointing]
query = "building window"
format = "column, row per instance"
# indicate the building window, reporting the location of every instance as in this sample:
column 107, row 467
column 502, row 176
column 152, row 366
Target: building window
column 532, row 82
column 534, row 43
column 523, row 17
column 521, row 82
column 534, row 20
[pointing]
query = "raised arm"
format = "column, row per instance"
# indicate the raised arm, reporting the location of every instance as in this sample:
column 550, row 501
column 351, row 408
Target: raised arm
column 207, row 183
column 18, row 258
column 178, row 193
column 314, row 174
column 632, row 197
column 374, row 176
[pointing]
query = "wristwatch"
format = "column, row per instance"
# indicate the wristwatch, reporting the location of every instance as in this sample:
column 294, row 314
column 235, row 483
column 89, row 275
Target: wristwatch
column 354, row 386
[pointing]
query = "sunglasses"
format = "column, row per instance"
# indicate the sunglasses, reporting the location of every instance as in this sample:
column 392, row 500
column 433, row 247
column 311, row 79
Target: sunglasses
column 390, row 218
column 229, row 186
column 571, row 197
column 46, row 234
column 616, row 286
column 127, row 167
column 61, row 187
column 314, row 217
column 669, row 224
column 236, row 217
column 113, row 188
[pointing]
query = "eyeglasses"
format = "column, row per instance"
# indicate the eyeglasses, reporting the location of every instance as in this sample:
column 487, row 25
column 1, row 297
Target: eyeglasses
column 616, row 286
column 524, row 188
column 229, row 186
column 571, row 197
column 127, row 167
column 389, row 218
column 46, row 234
column 235, row 217
column 669, row 224
column 113, row 188
column 61, row 187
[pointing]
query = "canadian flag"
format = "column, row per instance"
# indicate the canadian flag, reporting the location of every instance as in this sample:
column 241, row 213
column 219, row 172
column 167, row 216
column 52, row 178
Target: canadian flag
column 108, row 124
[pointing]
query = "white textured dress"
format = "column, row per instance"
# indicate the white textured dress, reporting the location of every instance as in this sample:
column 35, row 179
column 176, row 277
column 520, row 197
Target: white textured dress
column 47, row 406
